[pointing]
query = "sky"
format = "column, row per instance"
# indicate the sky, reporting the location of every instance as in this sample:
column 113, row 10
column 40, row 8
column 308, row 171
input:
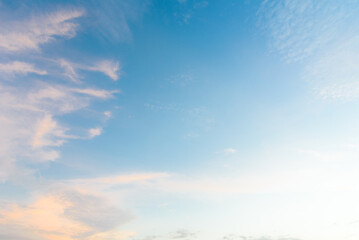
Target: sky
column 179, row 120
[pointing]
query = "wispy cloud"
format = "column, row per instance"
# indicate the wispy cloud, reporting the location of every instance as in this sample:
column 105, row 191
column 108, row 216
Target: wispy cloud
column 22, row 68
column 323, row 36
column 294, row 35
column 47, row 127
column 98, row 93
column 30, row 128
column 186, row 9
column 109, row 68
column 212, row 186
column 33, row 127
column 123, row 13
column 69, row 71
column 123, row 179
column 182, row 80
column 30, row 33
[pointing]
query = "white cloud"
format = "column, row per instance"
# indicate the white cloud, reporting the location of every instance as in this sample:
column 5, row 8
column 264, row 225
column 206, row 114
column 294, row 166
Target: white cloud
column 70, row 71
column 99, row 93
column 109, row 68
column 108, row 114
column 29, row 129
column 46, row 130
column 17, row 67
column 93, row 132
column 30, row 33
column 229, row 151
column 121, row 179
column 33, row 126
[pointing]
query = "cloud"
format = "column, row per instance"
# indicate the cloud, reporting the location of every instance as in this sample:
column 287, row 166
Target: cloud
column 335, row 74
column 203, row 185
column 47, row 126
column 108, row 114
column 182, row 234
column 323, row 36
column 182, row 80
column 55, row 98
column 120, row 179
column 95, row 212
column 34, row 124
column 31, row 129
column 228, row 151
column 109, row 68
column 240, row 237
column 70, row 71
column 17, row 67
column 187, row 9
column 179, row 234
column 93, row 132
column 111, row 19
column 68, row 215
column 294, row 35
column 98, row 93
column 30, row 33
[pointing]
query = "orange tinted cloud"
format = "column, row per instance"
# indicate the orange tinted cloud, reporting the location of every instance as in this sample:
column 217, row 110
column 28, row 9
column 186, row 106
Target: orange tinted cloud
column 60, row 217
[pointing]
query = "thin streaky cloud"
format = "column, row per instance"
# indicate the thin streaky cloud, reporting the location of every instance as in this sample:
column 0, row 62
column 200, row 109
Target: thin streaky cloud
column 109, row 68
column 69, row 71
column 17, row 67
column 98, row 93
column 122, row 178
column 30, row 33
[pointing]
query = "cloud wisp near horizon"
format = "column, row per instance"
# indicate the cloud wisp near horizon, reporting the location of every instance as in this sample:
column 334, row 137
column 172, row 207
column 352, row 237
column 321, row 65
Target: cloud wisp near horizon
column 153, row 120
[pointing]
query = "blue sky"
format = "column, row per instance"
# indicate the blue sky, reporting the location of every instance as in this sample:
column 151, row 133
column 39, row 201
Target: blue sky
column 179, row 119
